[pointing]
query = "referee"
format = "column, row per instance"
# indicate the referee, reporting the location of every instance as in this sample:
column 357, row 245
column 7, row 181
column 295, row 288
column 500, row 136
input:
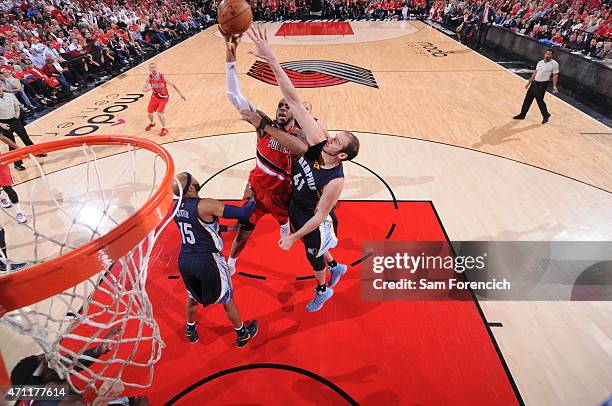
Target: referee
column 538, row 83
column 11, row 123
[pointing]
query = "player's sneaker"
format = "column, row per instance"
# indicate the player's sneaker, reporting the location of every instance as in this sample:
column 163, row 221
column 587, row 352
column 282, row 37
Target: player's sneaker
column 191, row 333
column 319, row 299
column 21, row 218
column 336, row 274
column 6, row 203
column 149, row 126
column 252, row 329
column 164, row 131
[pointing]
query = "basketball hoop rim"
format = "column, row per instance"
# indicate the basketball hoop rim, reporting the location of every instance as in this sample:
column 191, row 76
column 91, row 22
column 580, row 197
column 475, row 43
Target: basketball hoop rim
column 49, row 278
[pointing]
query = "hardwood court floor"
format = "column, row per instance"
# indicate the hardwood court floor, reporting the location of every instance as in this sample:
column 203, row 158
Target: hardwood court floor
column 436, row 128
column 462, row 99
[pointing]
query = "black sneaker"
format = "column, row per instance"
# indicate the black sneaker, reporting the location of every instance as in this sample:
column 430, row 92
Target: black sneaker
column 192, row 334
column 20, row 167
column 519, row 117
column 41, row 155
column 252, row 329
column 545, row 119
column 14, row 266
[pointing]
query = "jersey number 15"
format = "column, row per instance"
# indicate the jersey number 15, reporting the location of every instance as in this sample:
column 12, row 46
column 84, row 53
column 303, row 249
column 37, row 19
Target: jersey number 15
column 186, row 233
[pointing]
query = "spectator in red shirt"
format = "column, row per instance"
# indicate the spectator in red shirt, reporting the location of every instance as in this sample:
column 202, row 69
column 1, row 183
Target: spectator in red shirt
column 54, row 70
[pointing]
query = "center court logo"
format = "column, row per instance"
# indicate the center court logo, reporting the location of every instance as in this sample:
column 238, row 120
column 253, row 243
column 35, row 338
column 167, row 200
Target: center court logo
column 314, row 73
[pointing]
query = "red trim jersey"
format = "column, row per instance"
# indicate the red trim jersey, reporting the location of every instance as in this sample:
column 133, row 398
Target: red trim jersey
column 273, row 163
column 159, row 86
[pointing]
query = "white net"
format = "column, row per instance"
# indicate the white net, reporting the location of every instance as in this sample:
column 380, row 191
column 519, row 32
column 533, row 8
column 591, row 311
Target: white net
column 102, row 330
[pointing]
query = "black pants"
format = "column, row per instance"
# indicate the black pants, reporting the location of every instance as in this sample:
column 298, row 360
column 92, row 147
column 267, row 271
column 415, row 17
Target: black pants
column 2, row 241
column 16, row 126
column 313, row 240
column 537, row 90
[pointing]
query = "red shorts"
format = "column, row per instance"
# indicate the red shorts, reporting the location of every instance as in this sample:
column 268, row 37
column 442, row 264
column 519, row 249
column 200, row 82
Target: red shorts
column 157, row 104
column 6, row 177
column 266, row 203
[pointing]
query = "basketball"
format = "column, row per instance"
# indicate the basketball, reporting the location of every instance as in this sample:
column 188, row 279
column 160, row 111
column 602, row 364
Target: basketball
column 235, row 16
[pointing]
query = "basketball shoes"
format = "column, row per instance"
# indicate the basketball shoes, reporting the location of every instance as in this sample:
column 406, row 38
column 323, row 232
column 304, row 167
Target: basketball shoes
column 336, row 274
column 252, row 328
column 191, row 332
column 319, row 299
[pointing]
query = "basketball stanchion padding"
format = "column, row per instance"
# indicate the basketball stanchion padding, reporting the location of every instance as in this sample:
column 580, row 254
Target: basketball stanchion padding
column 85, row 284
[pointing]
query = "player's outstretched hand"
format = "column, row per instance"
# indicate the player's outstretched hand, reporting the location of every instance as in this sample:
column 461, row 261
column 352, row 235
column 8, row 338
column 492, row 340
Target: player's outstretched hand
column 251, row 117
column 286, row 242
column 103, row 348
column 259, row 36
column 231, row 41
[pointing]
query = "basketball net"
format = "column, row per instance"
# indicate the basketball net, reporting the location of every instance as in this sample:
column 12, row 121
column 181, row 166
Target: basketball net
column 100, row 331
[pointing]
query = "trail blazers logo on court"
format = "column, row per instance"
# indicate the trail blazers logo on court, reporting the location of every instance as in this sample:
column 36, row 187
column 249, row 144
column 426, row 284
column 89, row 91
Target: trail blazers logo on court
column 312, row 73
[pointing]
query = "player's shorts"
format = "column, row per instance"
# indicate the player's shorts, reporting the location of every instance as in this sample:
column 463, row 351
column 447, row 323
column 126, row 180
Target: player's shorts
column 318, row 241
column 266, row 203
column 206, row 278
column 157, row 104
column 6, row 177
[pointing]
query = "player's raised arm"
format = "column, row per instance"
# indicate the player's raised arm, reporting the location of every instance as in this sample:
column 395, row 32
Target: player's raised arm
column 329, row 198
column 314, row 133
column 295, row 144
column 233, row 86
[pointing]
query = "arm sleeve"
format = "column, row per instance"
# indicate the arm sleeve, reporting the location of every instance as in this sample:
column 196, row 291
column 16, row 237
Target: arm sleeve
column 240, row 213
column 86, row 363
column 233, row 89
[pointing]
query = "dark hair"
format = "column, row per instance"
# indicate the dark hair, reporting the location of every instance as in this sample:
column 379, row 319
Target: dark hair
column 352, row 149
column 549, row 50
column 23, row 373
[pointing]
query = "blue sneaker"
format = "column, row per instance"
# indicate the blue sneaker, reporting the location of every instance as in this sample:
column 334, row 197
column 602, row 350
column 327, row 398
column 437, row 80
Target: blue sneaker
column 319, row 299
column 336, row 274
